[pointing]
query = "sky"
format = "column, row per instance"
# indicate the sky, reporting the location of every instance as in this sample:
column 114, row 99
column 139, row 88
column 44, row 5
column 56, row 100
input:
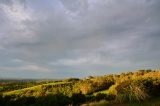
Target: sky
column 78, row 38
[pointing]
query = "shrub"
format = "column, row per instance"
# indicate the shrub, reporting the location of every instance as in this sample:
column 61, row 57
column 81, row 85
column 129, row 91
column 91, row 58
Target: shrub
column 156, row 88
column 100, row 103
column 78, row 98
column 100, row 96
column 86, row 87
column 102, row 83
column 1, row 100
column 131, row 91
column 95, row 84
column 53, row 100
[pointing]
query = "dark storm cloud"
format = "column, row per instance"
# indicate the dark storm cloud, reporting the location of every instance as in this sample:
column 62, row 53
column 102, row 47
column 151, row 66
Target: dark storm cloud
column 85, row 37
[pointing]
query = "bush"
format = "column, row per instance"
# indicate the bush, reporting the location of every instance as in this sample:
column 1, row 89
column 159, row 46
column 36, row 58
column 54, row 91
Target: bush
column 131, row 91
column 96, row 84
column 100, row 96
column 99, row 103
column 78, row 98
column 53, row 100
column 86, row 87
column 1, row 100
column 156, row 88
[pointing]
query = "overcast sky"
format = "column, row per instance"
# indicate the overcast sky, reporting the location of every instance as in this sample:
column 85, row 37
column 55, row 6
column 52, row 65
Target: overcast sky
column 78, row 38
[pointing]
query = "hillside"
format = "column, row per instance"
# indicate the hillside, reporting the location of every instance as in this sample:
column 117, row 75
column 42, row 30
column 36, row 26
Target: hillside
column 113, row 89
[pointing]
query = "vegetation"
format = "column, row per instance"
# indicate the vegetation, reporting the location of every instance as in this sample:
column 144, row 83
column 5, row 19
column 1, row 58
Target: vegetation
column 124, row 89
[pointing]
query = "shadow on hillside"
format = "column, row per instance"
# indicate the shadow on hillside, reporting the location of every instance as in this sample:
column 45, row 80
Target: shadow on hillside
column 49, row 100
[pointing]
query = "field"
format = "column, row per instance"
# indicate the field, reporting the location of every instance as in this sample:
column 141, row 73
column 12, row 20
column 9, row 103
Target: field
column 141, row 88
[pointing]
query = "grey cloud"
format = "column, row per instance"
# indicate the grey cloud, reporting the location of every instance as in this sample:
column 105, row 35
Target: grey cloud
column 75, row 5
column 84, row 35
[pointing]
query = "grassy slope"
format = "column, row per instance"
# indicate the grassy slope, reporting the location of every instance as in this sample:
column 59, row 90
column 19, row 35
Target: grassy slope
column 34, row 88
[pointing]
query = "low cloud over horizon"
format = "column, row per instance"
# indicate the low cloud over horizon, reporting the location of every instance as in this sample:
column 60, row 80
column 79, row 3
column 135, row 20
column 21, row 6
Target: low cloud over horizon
column 78, row 38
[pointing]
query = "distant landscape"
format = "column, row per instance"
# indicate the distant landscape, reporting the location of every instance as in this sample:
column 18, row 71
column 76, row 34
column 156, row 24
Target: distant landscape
column 140, row 88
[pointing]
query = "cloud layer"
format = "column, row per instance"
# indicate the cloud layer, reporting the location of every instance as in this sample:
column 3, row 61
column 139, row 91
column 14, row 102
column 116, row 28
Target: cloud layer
column 77, row 38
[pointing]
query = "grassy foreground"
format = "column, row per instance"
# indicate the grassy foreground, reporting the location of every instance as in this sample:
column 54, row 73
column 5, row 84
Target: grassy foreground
column 141, row 88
